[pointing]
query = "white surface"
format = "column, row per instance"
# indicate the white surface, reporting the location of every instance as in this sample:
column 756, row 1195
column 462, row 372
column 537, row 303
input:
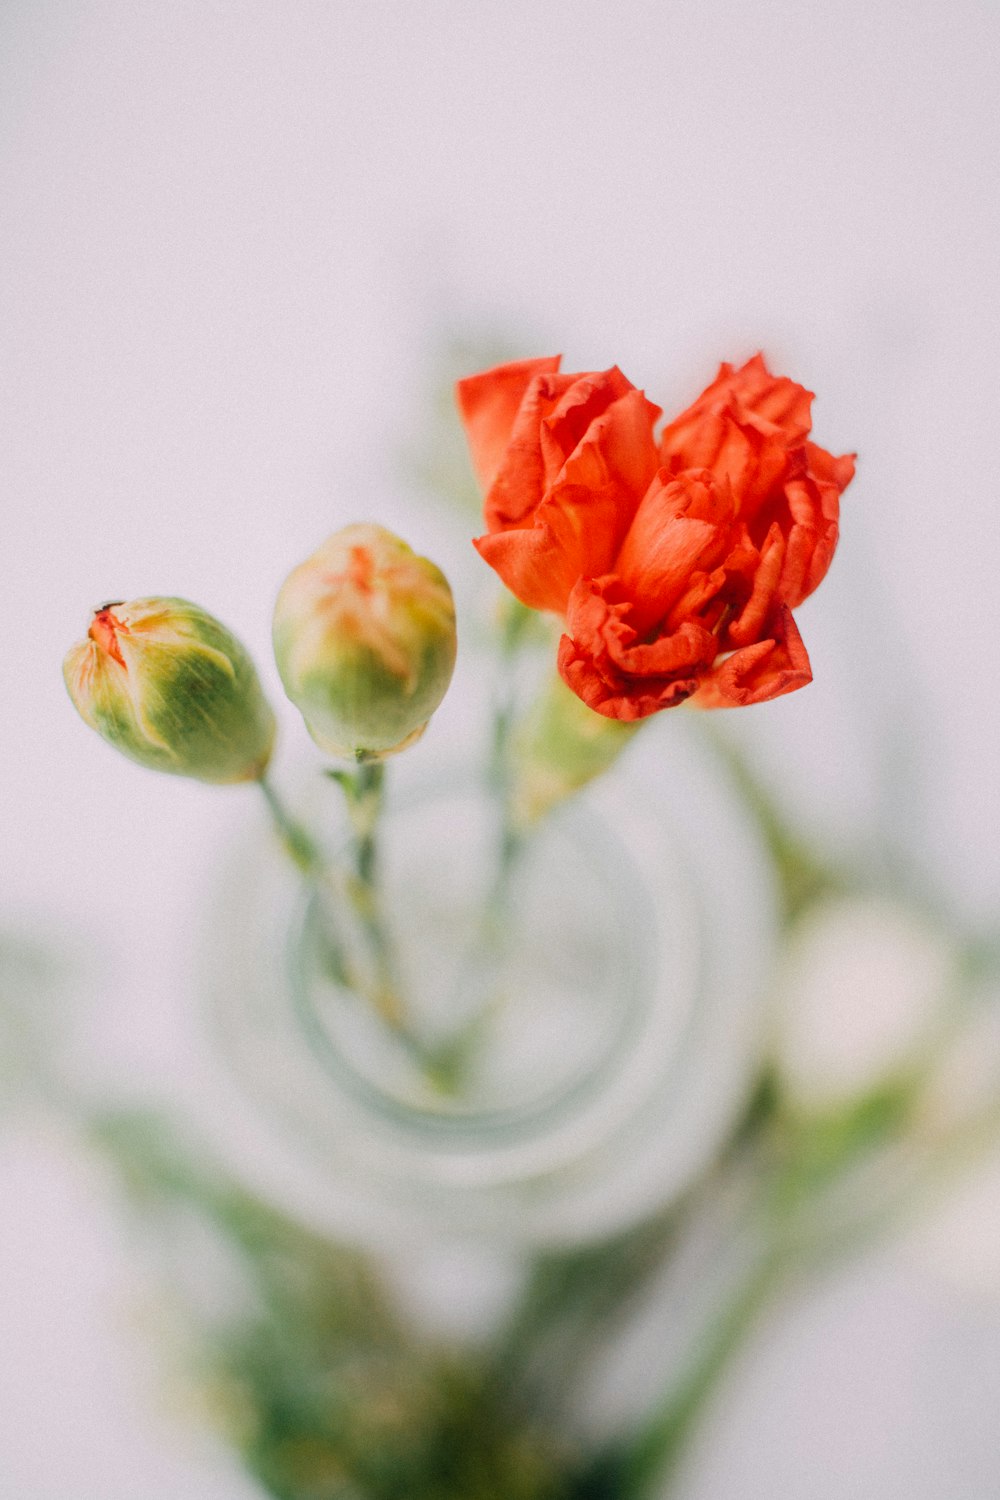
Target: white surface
column 231, row 233
column 88, row 1409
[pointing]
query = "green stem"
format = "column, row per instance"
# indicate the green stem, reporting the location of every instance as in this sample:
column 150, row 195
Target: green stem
column 653, row 1455
column 517, row 623
column 794, row 1170
column 298, row 842
column 364, row 796
column 366, row 813
column 480, row 971
column 359, row 891
column 308, row 859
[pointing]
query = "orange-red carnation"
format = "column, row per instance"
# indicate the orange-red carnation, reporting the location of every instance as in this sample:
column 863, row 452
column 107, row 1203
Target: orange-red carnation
column 676, row 560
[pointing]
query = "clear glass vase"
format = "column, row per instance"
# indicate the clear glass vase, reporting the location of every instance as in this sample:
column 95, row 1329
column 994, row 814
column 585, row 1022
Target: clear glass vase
column 598, row 1046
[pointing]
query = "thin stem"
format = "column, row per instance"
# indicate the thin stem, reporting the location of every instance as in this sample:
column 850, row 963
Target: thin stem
column 298, row 842
column 358, row 891
column 364, row 797
column 653, row 1456
column 517, row 622
column 479, row 972
column 366, row 812
column 307, row 857
column 374, row 981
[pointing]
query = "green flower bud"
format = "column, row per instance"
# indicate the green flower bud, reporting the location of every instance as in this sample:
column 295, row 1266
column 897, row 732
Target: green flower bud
column 364, row 638
column 170, row 687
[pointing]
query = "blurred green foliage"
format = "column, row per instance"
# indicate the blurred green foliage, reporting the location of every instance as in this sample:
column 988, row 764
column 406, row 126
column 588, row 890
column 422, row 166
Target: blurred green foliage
column 325, row 1390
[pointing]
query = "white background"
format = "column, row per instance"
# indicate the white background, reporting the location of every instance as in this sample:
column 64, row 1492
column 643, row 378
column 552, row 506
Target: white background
column 232, row 234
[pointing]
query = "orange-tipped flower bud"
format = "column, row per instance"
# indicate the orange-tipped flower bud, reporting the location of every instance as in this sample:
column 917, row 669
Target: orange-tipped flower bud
column 364, row 638
column 171, row 688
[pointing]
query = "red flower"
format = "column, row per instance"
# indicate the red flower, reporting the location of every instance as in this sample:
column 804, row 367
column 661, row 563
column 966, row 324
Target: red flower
column 563, row 460
column 676, row 562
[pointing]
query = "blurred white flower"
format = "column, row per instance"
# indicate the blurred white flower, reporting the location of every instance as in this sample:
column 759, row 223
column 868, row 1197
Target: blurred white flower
column 862, row 987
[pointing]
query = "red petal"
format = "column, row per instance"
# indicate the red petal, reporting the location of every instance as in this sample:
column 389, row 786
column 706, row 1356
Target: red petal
column 520, row 481
column 601, row 483
column 682, row 528
column 572, row 534
column 813, row 500
column 488, row 404
column 775, row 398
column 743, row 427
column 757, row 673
column 601, row 429
column 525, row 562
column 626, row 701
column 751, row 391
column 746, row 629
column 604, row 662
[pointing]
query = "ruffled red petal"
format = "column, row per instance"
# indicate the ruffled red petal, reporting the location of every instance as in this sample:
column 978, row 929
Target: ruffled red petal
column 488, row 404
column 615, row 672
column 757, row 673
